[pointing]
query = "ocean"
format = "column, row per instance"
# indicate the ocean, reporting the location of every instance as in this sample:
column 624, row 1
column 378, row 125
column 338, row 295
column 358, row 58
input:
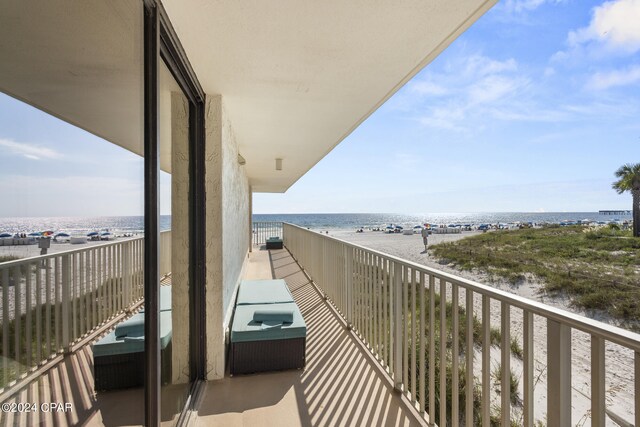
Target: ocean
column 354, row 221
column 80, row 225
column 135, row 224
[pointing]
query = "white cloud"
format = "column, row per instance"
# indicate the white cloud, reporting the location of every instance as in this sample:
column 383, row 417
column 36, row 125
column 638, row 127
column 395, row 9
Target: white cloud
column 614, row 24
column 448, row 117
column 470, row 84
column 523, row 112
column 494, row 88
column 428, row 88
column 481, row 66
column 602, row 81
column 29, row 151
column 520, row 6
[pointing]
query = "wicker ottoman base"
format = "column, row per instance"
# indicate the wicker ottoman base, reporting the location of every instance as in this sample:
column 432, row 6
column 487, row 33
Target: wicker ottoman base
column 127, row 370
column 263, row 356
column 274, row 244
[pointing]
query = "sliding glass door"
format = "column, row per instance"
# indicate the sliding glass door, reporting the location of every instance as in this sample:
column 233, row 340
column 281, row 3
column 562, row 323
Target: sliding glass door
column 101, row 178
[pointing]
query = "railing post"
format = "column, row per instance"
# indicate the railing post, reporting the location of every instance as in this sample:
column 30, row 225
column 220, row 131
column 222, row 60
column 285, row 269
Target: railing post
column 486, row 361
column 636, row 386
column 397, row 322
column 598, row 403
column 348, row 256
column 527, row 369
column 284, row 240
column 5, row 325
column 558, row 374
column 505, row 380
column 66, row 296
column 126, row 275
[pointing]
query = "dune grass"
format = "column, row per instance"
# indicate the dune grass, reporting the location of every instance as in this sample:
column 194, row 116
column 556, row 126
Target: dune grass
column 597, row 268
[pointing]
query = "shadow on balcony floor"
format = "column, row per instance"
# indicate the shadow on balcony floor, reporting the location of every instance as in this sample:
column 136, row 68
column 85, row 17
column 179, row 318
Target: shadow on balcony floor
column 341, row 384
column 71, row 381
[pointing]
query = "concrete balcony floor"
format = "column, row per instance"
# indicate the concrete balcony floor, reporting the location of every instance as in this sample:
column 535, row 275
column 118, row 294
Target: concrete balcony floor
column 70, row 380
column 341, row 385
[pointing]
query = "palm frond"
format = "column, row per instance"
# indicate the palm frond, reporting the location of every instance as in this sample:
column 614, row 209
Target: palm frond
column 627, row 174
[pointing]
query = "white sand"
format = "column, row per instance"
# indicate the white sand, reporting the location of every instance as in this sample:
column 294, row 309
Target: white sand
column 619, row 361
column 28, row 251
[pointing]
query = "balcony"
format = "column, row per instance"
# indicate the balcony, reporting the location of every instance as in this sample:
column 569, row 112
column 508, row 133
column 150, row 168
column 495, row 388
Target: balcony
column 376, row 351
column 341, row 384
column 437, row 336
column 53, row 307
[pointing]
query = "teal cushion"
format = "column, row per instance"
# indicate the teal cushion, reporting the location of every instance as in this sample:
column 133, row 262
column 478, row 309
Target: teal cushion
column 165, row 299
column 111, row 345
column 134, row 326
column 245, row 328
column 285, row 316
column 263, row 292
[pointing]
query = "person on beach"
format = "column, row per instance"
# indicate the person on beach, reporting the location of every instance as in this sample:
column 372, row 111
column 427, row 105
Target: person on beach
column 425, row 237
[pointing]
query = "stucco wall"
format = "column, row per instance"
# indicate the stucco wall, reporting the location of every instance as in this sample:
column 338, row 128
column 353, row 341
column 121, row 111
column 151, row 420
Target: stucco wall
column 180, row 237
column 227, row 200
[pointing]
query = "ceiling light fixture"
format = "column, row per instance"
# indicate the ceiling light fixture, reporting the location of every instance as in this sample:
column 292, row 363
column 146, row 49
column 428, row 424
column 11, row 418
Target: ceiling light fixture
column 278, row 164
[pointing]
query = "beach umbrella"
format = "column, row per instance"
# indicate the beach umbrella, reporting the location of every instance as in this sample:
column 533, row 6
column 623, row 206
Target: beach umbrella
column 62, row 235
column 35, row 234
column 418, row 226
column 106, row 233
column 389, row 227
column 5, row 235
column 93, row 233
column 399, row 227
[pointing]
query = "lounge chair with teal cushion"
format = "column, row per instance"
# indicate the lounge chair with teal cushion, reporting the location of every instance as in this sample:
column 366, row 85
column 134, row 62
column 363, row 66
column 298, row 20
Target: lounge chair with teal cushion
column 264, row 292
column 274, row 243
column 118, row 358
column 268, row 332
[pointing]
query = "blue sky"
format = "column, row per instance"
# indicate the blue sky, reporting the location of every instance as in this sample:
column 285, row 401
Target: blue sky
column 51, row 168
column 531, row 109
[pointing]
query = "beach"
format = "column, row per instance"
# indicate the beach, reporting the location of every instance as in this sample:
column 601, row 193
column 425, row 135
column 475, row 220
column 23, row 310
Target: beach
column 28, row 251
column 25, row 252
column 619, row 361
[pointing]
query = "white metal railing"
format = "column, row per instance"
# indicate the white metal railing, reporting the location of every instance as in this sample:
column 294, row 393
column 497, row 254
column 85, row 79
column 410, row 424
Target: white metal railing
column 397, row 308
column 262, row 230
column 50, row 302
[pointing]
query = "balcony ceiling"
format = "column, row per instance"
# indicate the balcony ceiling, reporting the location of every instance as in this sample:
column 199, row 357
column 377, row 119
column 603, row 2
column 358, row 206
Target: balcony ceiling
column 297, row 76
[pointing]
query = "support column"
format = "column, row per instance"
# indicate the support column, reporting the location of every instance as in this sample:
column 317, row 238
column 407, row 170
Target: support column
column 180, row 237
column 227, row 215
column 250, row 219
column 213, row 190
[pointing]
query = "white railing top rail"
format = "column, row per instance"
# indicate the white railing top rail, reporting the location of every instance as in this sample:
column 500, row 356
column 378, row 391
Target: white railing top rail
column 609, row 332
column 30, row 260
